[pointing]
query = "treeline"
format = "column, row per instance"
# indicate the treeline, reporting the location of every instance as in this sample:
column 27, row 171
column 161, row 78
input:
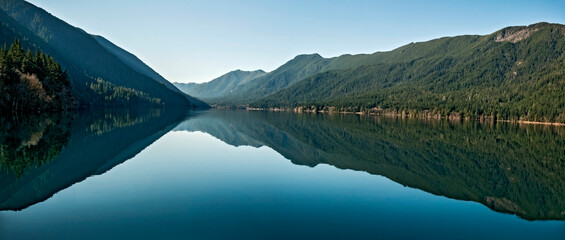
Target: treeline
column 108, row 94
column 32, row 82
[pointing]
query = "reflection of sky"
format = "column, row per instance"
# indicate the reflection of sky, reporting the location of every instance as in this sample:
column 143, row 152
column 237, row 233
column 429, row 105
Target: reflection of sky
column 193, row 185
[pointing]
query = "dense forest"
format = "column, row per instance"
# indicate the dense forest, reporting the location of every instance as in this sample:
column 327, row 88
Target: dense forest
column 108, row 94
column 32, row 82
column 516, row 73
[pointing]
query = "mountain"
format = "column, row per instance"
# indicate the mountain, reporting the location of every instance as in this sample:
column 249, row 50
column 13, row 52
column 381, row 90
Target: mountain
column 303, row 66
column 132, row 61
column 514, row 73
column 220, row 86
column 136, row 64
column 289, row 73
column 307, row 65
column 89, row 64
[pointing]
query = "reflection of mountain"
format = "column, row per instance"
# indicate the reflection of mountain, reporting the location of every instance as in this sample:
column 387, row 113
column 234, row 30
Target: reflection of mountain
column 510, row 169
column 221, row 128
column 97, row 142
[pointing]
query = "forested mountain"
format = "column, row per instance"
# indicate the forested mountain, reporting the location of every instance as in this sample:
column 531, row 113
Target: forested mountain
column 307, row 65
column 90, row 65
column 289, row 73
column 514, row 73
column 220, row 86
column 136, row 64
column 131, row 60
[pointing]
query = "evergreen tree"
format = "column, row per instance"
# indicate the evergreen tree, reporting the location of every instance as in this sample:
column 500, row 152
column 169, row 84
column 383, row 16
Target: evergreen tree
column 32, row 82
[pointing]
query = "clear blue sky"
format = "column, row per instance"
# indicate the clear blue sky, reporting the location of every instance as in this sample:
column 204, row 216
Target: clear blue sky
column 196, row 41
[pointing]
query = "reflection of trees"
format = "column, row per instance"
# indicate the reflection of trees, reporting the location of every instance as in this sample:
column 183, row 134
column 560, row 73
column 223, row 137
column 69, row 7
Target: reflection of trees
column 32, row 140
column 509, row 168
column 61, row 151
column 120, row 119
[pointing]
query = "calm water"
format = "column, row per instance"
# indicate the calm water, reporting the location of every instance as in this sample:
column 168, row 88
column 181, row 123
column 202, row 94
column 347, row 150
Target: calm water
column 262, row 175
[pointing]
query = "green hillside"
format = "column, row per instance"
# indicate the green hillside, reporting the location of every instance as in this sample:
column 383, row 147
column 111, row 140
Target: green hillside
column 288, row 74
column 517, row 72
column 86, row 61
column 220, row 86
column 304, row 66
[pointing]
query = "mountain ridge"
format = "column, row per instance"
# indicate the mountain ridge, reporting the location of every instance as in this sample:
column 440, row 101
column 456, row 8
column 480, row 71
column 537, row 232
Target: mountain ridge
column 138, row 65
column 86, row 61
column 484, row 65
column 222, row 85
column 471, row 77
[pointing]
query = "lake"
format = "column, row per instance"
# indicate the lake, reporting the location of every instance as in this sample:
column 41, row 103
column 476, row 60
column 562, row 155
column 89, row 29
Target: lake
column 166, row 174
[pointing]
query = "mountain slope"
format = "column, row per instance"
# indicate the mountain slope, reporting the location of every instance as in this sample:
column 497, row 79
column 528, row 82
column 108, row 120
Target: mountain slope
column 136, row 64
column 517, row 72
column 220, row 86
column 132, row 61
column 303, row 66
column 83, row 57
column 290, row 72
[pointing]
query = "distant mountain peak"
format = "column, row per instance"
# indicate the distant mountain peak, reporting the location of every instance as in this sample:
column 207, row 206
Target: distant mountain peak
column 514, row 36
column 245, row 71
column 519, row 33
column 222, row 85
column 308, row 56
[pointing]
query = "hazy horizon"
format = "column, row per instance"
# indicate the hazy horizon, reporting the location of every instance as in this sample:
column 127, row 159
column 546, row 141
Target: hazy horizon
column 198, row 41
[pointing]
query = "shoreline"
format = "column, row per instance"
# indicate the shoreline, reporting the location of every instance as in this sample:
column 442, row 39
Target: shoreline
column 534, row 123
column 408, row 115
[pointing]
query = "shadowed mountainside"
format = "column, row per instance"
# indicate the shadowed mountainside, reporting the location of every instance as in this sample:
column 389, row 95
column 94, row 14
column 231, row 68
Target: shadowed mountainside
column 136, row 64
column 90, row 65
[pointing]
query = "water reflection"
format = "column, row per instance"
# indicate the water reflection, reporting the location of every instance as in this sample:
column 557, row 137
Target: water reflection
column 43, row 155
column 513, row 169
column 29, row 142
column 508, row 168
